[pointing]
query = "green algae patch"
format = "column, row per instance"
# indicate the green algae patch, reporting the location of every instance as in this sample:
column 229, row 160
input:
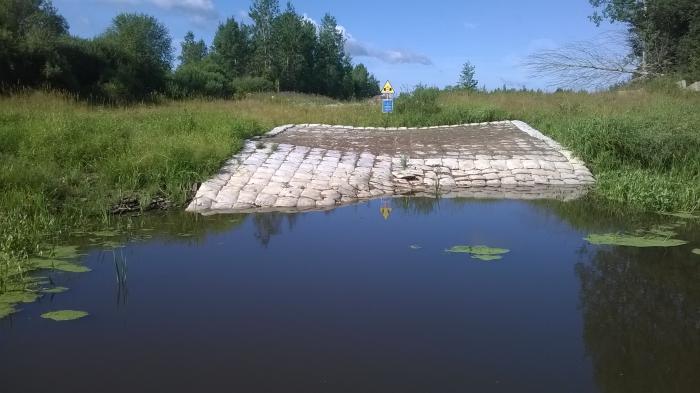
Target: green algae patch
column 57, row 264
column 628, row 240
column 696, row 251
column 54, row 290
column 64, row 315
column 484, row 253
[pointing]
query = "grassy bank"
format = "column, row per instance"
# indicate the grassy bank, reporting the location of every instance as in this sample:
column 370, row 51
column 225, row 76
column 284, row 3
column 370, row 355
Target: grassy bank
column 62, row 163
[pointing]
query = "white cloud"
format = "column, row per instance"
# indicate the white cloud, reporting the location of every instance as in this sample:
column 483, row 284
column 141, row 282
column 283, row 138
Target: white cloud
column 357, row 48
column 392, row 56
column 310, row 20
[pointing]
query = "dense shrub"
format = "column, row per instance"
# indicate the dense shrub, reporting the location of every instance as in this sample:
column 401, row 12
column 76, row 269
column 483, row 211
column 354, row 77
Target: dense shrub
column 422, row 101
column 199, row 80
column 247, row 84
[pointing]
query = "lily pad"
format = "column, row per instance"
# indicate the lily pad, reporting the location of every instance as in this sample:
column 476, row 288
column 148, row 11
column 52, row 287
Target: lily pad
column 486, row 257
column 64, row 315
column 662, row 231
column 58, row 264
column 696, row 251
column 105, row 233
column 18, row 297
column 54, row 290
column 479, row 250
column 10, row 299
column 628, row 240
column 6, row 309
column 65, row 252
column 484, row 253
column 684, row 215
column 111, row 244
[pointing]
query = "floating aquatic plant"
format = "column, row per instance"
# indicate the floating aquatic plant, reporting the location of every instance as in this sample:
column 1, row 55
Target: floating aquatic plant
column 63, row 252
column 105, row 233
column 54, row 290
column 15, row 297
column 109, row 244
column 663, row 231
column 64, row 315
column 6, row 309
column 648, row 239
column 684, row 215
column 58, row 264
column 483, row 253
column 8, row 301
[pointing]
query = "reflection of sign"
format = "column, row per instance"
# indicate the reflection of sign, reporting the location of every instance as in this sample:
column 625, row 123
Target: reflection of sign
column 387, row 105
column 385, row 209
column 387, row 89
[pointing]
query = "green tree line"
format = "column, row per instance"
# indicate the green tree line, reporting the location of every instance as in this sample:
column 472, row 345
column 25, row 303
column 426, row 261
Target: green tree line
column 133, row 59
column 665, row 34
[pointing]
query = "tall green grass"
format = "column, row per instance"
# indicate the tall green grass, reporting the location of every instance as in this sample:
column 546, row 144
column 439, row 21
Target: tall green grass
column 63, row 163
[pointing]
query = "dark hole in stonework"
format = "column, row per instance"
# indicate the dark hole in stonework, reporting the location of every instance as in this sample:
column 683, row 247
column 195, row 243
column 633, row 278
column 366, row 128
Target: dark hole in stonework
column 410, row 178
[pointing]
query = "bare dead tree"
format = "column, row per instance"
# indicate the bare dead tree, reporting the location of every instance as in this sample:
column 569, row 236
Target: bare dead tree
column 598, row 63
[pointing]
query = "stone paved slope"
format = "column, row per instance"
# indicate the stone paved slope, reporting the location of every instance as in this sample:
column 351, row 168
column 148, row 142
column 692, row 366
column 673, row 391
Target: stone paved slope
column 314, row 166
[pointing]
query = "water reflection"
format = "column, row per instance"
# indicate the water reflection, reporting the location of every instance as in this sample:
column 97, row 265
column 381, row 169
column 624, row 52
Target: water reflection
column 416, row 206
column 641, row 312
column 640, row 307
column 268, row 225
column 464, row 323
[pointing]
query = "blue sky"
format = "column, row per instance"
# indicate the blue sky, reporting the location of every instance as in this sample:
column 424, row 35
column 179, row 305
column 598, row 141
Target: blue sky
column 407, row 42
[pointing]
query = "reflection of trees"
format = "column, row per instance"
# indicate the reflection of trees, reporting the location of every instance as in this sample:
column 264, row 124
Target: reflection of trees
column 589, row 213
column 416, row 206
column 641, row 312
column 268, row 225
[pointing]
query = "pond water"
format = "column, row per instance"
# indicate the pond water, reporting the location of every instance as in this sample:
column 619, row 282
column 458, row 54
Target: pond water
column 348, row 301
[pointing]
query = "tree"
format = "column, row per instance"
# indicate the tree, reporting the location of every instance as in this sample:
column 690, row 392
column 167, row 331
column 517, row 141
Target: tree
column 203, row 78
column 466, row 78
column 231, row 48
column 294, row 51
column 192, row 51
column 139, row 51
column 29, row 33
column 596, row 63
column 263, row 13
column 663, row 34
column 364, row 84
column 330, row 58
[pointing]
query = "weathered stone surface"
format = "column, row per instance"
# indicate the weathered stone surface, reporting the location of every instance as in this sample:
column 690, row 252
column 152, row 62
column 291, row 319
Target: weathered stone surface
column 318, row 166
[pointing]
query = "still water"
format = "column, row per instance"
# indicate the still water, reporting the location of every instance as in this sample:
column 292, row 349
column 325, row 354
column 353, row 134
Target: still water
column 348, row 301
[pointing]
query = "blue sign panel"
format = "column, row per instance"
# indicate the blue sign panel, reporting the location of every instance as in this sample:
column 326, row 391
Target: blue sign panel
column 387, row 106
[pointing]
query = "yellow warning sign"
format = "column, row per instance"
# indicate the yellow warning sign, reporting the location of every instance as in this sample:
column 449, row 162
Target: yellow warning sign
column 388, row 89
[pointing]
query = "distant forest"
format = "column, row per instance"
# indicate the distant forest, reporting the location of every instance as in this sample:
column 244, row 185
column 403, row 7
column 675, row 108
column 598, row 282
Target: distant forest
column 133, row 59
